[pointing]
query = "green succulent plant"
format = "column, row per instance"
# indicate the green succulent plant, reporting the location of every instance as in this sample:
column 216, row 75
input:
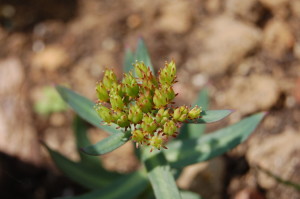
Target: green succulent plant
column 138, row 109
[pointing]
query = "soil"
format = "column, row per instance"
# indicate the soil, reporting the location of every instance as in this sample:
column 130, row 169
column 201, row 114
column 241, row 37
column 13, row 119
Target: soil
column 246, row 52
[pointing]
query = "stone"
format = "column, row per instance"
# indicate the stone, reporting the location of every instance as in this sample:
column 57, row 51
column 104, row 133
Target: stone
column 250, row 94
column 221, row 43
column 17, row 136
column 277, row 154
column 176, row 17
column 249, row 10
column 274, row 3
column 278, row 38
column 51, row 58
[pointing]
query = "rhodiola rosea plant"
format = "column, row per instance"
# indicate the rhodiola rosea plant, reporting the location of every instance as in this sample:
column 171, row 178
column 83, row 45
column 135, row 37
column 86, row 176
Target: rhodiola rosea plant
column 140, row 108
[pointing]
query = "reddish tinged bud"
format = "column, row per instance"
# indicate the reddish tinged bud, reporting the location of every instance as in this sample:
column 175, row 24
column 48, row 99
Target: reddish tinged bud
column 157, row 142
column 135, row 114
column 167, row 75
column 170, row 128
column 130, row 85
column 194, row 113
column 104, row 113
column 180, row 114
column 102, row 93
column 109, row 79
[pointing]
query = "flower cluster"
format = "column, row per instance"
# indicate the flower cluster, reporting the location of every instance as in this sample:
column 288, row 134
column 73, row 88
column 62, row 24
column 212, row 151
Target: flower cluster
column 143, row 103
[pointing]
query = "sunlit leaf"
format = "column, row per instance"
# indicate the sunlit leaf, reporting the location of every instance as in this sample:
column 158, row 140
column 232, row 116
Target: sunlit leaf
column 185, row 152
column 108, row 144
column 160, row 175
column 211, row 116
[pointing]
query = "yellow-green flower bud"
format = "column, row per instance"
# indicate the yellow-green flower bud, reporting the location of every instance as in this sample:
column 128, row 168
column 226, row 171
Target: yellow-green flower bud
column 116, row 100
column 145, row 102
column 119, row 89
column 104, row 113
column 194, row 113
column 140, row 69
column 157, row 142
column 169, row 128
column 162, row 116
column 138, row 136
column 168, row 92
column 167, row 75
column 102, row 93
column 109, row 79
column 148, row 124
column 130, row 85
column 121, row 119
column 159, row 99
column 135, row 114
column 180, row 114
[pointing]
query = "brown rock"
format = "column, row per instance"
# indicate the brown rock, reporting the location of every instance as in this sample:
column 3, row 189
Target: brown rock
column 276, row 154
column 51, row 58
column 213, row 6
column 297, row 91
column 247, row 9
column 175, row 17
column 295, row 7
column 274, row 3
column 278, row 38
column 251, row 94
column 279, row 8
column 17, row 137
column 224, row 42
column 248, row 194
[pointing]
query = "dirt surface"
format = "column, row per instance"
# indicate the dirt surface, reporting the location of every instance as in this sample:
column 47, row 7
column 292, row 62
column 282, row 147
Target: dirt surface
column 246, row 52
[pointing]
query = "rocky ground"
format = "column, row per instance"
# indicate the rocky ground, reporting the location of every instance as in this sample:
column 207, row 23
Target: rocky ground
column 246, row 52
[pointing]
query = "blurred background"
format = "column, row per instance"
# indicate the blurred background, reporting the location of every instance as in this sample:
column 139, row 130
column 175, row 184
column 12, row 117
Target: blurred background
column 246, row 52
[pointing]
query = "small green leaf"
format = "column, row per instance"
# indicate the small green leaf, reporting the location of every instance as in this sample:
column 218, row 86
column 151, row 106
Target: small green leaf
column 84, row 108
column 128, row 60
column 211, row 116
column 185, row 152
column 80, row 131
column 160, row 175
column 126, row 187
column 189, row 130
column 80, row 173
column 142, row 54
column 108, row 144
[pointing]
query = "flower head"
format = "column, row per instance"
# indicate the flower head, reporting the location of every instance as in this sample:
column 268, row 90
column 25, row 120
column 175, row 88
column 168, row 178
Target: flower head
column 143, row 103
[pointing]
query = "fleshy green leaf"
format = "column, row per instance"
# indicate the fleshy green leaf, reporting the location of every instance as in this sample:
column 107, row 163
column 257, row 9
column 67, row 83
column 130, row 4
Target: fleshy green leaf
column 128, row 60
column 80, row 173
column 142, row 54
column 108, row 144
column 127, row 187
column 84, row 108
column 185, row 152
column 82, row 140
column 189, row 130
column 211, row 116
column 160, row 175
column 189, row 195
